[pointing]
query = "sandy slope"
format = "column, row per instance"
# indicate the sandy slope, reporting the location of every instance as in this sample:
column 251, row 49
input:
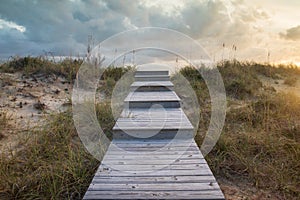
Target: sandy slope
column 279, row 86
column 26, row 101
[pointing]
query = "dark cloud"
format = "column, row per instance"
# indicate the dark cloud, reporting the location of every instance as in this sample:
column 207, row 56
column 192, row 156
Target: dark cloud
column 291, row 34
column 80, row 16
column 64, row 26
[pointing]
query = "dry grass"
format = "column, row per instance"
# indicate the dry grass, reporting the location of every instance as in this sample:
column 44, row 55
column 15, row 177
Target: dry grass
column 38, row 65
column 4, row 123
column 260, row 143
column 53, row 163
column 290, row 81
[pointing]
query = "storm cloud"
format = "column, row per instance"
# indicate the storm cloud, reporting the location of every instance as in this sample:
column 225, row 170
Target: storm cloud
column 63, row 27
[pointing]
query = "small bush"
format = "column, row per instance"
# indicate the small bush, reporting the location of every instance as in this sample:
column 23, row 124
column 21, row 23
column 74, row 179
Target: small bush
column 240, row 80
column 274, row 71
column 35, row 65
column 290, row 81
column 110, row 77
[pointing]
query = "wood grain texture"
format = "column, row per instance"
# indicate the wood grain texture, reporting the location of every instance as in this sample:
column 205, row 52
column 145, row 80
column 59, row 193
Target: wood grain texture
column 151, row 72
column 146, row 159
column 152, row 96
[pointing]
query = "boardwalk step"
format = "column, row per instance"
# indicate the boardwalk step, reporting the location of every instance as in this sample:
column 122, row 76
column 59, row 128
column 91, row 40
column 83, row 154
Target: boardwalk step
column 152, row 86
column 153, row 154
column 166, row 99
column 138, row 124
column 154, row 113
column 153, row 123
column 153, row 118
column 189, row 194
column 145, row 72
column 164, row 175
column 152, row 77
column 153, row 134
column 164, row 128
column 158, row 179
column 154, row 187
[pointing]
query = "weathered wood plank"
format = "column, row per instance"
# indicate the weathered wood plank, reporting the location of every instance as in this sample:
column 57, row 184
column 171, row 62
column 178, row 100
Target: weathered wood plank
column 155, row 162
column 118, row 149
column 148, row 125
column 168, row 172
column 152, row 86
column 154, row 134
column 154, row 187
column 153, row 156
column 152, row 77
column 203, row 195
column 142, row 142
column 158, row 144
column 151, row 125
column 145, row 113
column 152, row 96
column 152, row 153
column 152, row 83
column 167, row 166
column 133, row 147
column 151, row 72
column 157, row 179
column 159, row 166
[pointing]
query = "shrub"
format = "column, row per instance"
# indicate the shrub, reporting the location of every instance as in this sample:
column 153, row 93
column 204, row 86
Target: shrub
column 290, row 81
column 35, row 65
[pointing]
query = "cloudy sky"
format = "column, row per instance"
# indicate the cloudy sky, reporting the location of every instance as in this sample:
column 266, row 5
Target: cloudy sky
column 256, row 27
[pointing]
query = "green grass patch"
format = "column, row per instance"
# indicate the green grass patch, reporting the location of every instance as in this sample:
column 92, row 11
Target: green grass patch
column 38, row 65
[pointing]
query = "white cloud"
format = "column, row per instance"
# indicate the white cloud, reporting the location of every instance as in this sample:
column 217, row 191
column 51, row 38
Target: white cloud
column 11, row 25
column 127, row 24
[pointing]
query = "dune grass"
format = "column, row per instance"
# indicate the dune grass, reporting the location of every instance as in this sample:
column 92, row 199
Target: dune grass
column 53, row 163
column 260, row 143
column 66, row 68
column 291, row 81
column 4, row 123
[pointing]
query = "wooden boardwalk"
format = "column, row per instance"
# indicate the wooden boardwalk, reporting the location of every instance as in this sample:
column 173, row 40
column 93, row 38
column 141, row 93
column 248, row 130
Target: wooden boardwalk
column 153, row 154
